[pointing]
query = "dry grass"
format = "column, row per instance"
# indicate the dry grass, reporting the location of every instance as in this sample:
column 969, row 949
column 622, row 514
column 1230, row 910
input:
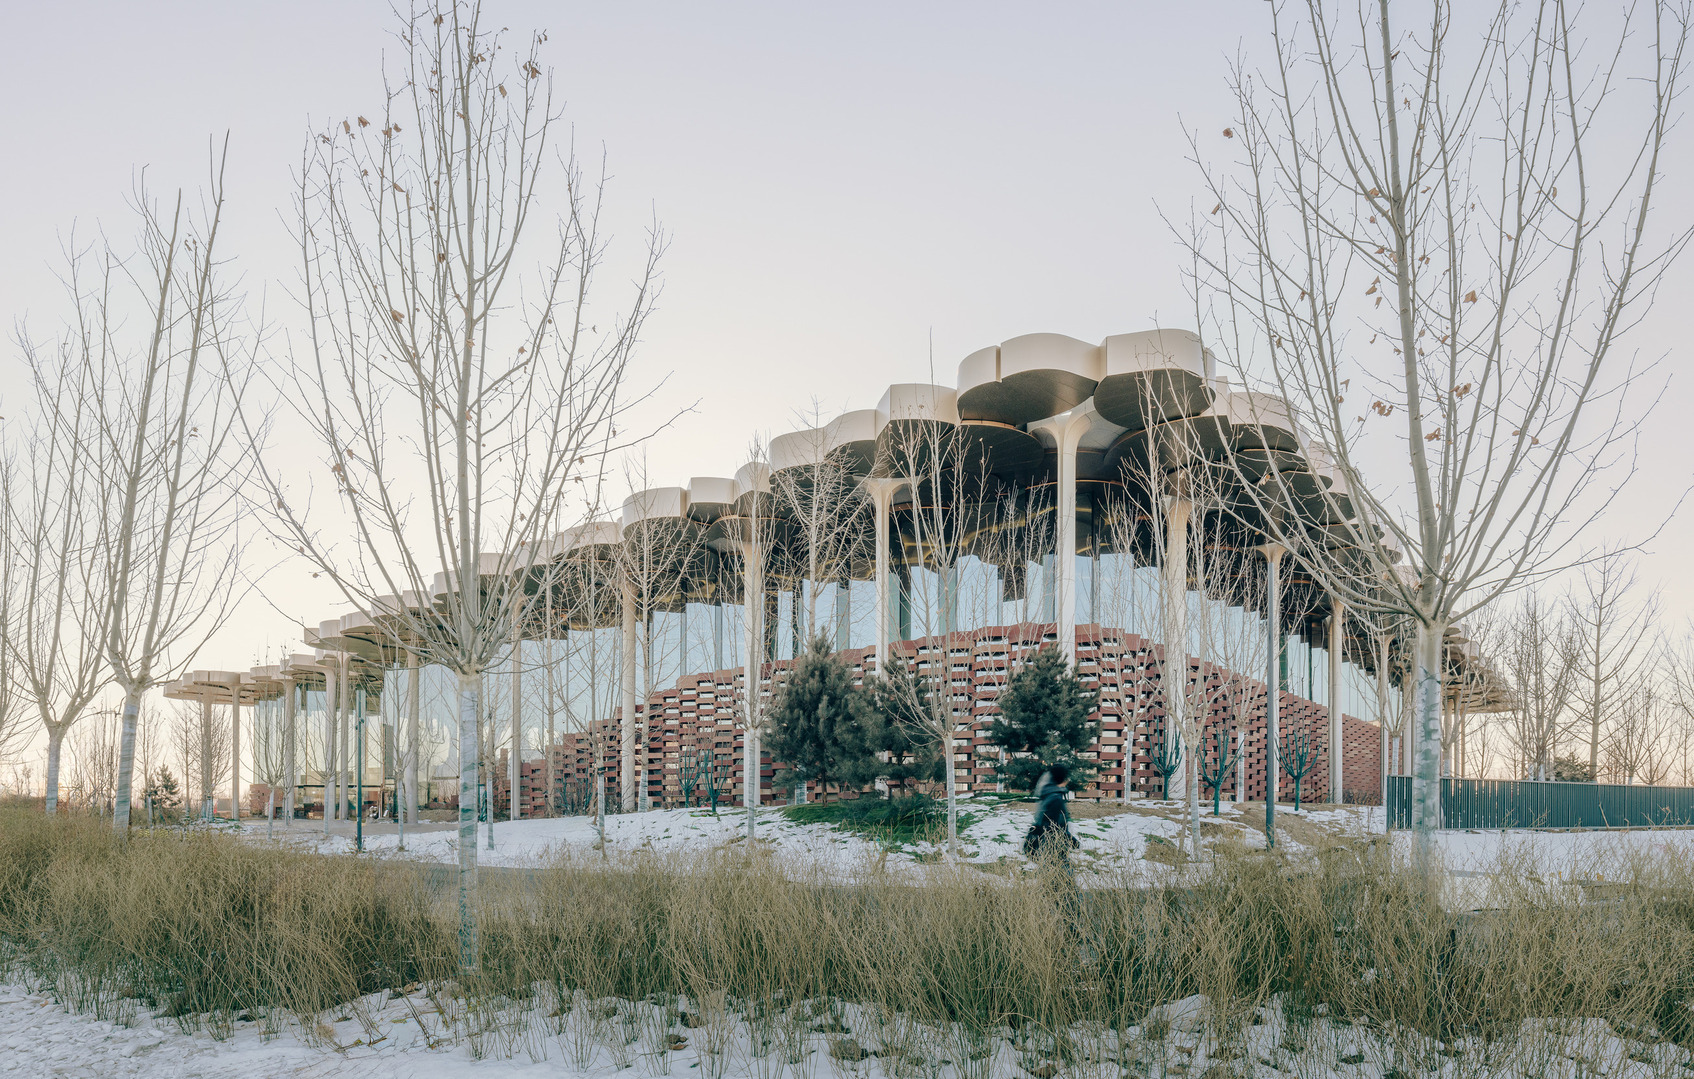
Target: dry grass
column 726, row 949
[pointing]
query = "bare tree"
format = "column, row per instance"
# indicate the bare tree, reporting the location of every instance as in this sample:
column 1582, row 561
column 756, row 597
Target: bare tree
column 92, row 776
column 1679, row 676
column 12, row 715
column 168, row 532
column 1536, row 645
column 202, row 744
column 63, row 599
column 826, row 525
column 452, row 367
column 753, row 539
column 1635, row 746
column 1452, row 163
column 951, row 500
column 817, row 492
column 662, row 550
column 1610, row 643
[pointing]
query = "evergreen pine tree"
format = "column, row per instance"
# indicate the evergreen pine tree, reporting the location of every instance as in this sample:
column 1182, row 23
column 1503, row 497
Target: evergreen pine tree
column 1045, row 719
column 162, row 789
column 821, row 723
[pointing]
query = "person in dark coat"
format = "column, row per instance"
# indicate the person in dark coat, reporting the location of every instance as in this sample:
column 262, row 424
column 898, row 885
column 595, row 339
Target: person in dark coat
column 1050, row 835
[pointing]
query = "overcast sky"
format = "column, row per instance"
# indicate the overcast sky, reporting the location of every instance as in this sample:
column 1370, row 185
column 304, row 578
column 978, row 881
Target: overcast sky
column 842, row 184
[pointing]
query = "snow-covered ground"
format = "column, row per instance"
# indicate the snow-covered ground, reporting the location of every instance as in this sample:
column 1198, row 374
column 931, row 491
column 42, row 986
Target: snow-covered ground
column 1113, row 838
column 1137, row 839
column 40, row 1038
column 390, row 1036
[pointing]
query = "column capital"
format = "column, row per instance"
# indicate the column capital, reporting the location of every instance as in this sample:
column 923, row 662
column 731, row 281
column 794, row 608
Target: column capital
column 882, row 488
column 1067, row 428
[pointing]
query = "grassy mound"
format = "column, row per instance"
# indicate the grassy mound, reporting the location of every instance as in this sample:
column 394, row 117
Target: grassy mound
column 904, row 818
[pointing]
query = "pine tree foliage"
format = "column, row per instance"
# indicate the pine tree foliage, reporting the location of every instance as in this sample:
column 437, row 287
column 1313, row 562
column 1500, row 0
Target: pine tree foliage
column 162, row 789
column 1046, row 717
column 822, row 725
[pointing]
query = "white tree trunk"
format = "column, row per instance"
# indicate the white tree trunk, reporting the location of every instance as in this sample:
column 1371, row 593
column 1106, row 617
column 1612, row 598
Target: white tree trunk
column 627, row 731
column 952, row 782
column 1426, row 775
column 470, row 701
column 414, row 693
column 55, row 746
column 514, row 807
column 126, row 761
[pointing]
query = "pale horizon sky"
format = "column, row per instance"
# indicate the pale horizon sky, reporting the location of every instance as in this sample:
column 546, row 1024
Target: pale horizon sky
column 842, row 185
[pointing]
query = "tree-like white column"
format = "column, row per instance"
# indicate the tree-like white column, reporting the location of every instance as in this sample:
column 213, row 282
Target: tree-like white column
column 882, row 491
column 414, row 692
column 290, row 764
column 235, row 750
column 1179, row 507
column 1066, row 429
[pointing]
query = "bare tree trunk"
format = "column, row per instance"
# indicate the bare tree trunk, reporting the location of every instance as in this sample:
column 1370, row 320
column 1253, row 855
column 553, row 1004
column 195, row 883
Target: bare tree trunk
column 55, row 745
column 332, row 715
column 516, row 769
column 627, row 725
column 1426, row 770
column 751, row 781
column 290, row 719
column 470, row 704
column 552, row 705
column 1383, row 761
column 414, row 694
column 235, row 754
column 1337, row 721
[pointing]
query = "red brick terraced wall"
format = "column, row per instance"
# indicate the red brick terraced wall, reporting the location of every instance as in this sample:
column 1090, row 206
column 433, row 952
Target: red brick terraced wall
column 702, row 710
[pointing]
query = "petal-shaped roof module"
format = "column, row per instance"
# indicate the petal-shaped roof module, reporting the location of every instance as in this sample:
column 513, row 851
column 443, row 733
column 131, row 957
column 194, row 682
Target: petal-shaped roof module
column 1264, row 432
column 753, row 489
column 1152, row 376
column 1003, row 450
column 354, row 621
column 710, row 497
column 1028, row 378
column 800, row 449
column 592, row 534
column 1174, row 443
column 655, row 504
column 912, row 415
column 853, row 436
column 1262, row 420
column 488, row 565
column 754, row 477
column 908, row 401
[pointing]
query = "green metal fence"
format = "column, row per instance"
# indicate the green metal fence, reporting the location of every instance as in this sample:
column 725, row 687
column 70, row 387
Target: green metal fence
column 1517, row 803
